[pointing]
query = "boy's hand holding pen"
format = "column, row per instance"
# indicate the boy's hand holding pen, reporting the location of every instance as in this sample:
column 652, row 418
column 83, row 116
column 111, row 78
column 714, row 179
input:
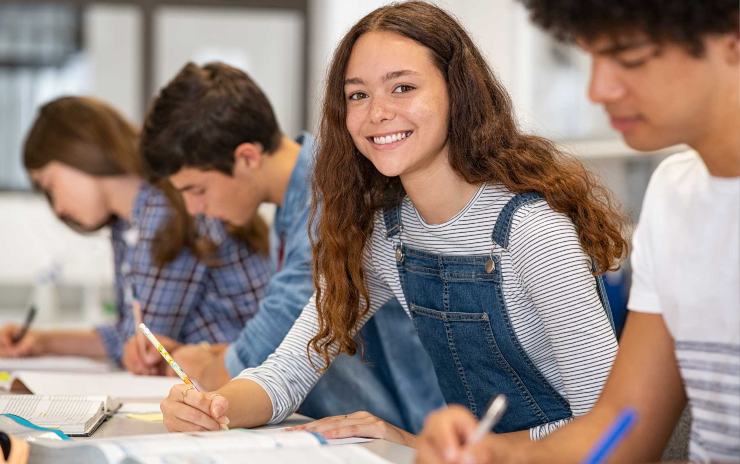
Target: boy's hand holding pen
column 138, row 356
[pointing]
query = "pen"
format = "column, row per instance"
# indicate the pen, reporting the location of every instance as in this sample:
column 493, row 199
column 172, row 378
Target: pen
column 26, row 325
column 493, row 414
column 138, row 319
column 612, row 437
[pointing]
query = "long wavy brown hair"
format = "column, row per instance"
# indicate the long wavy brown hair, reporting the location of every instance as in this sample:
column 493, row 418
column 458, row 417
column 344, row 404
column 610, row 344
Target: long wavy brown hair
column 91, row 136
column 485, row 145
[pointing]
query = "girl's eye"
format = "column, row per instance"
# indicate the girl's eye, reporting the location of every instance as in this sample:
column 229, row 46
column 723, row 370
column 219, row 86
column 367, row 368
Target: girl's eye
column 403, row 88
column 357, row 96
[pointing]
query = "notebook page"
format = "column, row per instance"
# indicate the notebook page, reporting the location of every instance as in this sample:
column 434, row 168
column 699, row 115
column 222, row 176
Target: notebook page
column 51, row 409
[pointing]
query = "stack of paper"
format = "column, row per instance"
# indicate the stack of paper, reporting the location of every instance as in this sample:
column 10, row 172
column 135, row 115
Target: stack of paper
column 121, row 385
column 56, row 364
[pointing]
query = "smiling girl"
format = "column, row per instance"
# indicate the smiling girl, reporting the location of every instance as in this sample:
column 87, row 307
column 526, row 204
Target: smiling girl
column 489, row 238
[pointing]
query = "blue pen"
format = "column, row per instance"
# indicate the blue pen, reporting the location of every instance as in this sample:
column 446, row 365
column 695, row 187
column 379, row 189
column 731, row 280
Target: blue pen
column 612, row 437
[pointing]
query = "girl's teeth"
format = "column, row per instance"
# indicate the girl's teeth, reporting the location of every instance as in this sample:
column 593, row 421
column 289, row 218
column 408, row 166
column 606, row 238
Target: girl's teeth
column 390, row 138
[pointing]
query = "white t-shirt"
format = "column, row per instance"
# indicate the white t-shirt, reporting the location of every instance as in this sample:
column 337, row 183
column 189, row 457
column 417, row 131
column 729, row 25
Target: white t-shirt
column 686, row 266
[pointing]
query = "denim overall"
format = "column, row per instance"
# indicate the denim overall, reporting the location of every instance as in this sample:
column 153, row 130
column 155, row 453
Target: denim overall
column 458, row 308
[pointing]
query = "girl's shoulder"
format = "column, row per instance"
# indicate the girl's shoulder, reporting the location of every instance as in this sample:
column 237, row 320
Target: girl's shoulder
column 151, row 210
column 536, row 225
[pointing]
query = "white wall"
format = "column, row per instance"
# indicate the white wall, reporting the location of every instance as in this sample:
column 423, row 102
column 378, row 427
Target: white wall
column 490, row 22
column 32, row 242
column 267, row 45
column 113, row 43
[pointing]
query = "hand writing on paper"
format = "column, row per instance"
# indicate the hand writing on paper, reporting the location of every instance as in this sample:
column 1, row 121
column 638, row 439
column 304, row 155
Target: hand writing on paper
column 29, row 345
column 204, row 363
column 188, row 410
column 143, row 358
column 446, row 435
column 358, row 424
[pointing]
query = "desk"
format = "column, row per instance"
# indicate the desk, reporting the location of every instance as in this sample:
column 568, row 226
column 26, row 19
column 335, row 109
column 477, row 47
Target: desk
column 120, row 425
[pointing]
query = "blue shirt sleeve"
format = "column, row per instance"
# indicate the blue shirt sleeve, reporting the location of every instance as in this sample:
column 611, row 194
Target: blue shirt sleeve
column 288, row 292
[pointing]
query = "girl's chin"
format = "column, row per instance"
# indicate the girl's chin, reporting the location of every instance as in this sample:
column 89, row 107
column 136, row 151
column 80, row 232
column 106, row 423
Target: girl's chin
column 390, row 171
column 387, row 167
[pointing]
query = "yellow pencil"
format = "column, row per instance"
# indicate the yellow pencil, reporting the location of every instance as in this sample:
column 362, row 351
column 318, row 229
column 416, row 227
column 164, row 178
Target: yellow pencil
column 167, row 357
column 178, row 370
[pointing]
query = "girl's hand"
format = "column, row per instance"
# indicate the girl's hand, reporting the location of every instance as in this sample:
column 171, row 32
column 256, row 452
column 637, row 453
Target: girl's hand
column 187, row 410
column 358, row 424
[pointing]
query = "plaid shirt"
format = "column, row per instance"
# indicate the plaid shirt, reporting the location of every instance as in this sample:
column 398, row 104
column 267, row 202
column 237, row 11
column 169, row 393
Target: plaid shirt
column 185, row 300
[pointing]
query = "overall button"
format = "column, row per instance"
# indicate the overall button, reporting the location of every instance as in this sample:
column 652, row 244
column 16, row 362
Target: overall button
column 490, row 266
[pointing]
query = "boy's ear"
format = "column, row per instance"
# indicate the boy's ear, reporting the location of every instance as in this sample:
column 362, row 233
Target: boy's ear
column 248, row 155
column 733, row 47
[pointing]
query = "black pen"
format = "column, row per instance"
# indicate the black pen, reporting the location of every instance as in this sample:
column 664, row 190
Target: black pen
column 26, row 325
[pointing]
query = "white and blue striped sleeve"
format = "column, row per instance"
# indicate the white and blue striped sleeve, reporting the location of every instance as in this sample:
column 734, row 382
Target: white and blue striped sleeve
column 556, row 274
column 287, row 375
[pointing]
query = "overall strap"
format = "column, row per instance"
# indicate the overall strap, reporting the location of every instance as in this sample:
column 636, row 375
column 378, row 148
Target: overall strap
column 392, row 219
column 502, row 228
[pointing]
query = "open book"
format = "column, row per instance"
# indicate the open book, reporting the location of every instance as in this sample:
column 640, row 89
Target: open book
column 223, row 447
column 73, row 415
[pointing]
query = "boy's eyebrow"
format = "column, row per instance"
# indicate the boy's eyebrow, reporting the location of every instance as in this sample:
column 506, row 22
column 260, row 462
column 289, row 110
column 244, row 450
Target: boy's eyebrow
column 619, row 47
column 387, row 77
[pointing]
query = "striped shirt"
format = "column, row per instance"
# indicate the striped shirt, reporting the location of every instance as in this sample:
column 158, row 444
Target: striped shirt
column 548, row 289
column 686, row 267
column 186, row 299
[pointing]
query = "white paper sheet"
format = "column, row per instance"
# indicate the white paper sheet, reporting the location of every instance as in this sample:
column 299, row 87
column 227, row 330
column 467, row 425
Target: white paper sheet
column 56, row 364
column 234, row 446
column 331, row 441
column 114, row 384
column 350, row 454
column 130, row 407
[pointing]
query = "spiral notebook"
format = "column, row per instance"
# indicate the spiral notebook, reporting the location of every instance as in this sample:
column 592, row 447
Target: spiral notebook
column 73, row 415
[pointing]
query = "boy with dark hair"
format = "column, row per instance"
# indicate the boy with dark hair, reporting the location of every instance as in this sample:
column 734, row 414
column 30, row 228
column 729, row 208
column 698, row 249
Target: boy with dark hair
column 666, row 73
column 213, row 134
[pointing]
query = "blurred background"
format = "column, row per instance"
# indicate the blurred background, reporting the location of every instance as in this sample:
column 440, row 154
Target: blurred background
column 124, row 51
